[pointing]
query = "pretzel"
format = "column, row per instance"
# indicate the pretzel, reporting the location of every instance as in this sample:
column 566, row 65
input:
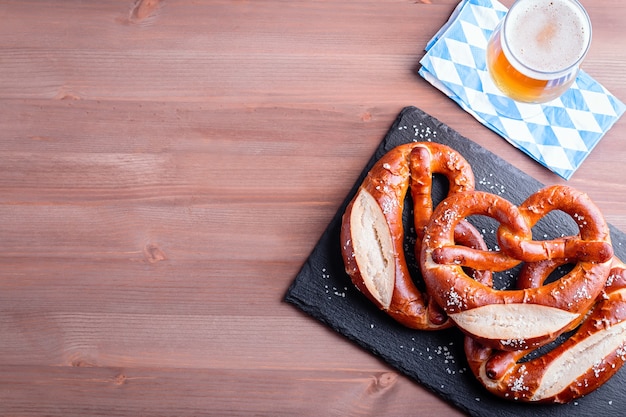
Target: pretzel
column 372, row 232
column 523, row 318
column 578, row 366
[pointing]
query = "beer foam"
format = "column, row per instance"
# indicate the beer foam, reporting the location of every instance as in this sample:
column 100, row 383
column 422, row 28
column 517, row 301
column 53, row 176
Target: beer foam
column 547, row 35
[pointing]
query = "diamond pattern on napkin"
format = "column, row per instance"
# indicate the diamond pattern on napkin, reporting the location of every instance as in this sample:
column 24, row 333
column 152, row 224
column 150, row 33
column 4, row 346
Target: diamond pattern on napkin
column 559, row 134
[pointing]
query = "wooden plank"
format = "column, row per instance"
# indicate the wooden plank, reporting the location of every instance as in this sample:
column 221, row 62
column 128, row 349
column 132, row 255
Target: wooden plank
column 122, row 391
column 171, row 339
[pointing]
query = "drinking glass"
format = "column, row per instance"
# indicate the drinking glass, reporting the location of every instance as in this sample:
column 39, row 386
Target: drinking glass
column 535, row 52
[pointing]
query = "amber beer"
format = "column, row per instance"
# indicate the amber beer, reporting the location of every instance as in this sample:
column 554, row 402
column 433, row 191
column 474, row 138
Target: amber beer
column 534, row 54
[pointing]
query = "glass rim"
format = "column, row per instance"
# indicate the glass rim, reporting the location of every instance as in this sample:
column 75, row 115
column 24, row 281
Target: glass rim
column 539, row 74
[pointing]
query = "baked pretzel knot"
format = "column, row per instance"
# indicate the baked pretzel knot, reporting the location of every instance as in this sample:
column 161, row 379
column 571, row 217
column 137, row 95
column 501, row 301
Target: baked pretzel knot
column 522, row 318
column 579, row 365
column 372, row 232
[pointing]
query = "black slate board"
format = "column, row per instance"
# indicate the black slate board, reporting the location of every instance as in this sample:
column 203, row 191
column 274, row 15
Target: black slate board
column 436, row 359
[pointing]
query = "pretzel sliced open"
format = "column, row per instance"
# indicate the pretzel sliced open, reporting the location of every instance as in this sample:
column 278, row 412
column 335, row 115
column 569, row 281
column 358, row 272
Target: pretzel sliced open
column 514, row 319
column 582, row 363
column 372, row 233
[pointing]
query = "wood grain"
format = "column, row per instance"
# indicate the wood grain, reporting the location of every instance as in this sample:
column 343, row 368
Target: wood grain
column 167, row 166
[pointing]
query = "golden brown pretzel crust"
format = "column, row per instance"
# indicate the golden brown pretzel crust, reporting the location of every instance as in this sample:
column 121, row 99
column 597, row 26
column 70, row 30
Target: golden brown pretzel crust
column 592, row 355
column 593, row 244
column 383, row 193
column 564, row 301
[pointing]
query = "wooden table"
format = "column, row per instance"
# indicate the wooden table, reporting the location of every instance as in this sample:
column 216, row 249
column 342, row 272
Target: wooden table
column 167, row 166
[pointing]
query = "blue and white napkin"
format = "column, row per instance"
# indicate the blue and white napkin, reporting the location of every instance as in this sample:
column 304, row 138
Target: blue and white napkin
column 559, row 134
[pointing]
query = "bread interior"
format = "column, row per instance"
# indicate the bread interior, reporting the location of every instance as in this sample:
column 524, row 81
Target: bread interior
column 513, row 322
column 373, row 247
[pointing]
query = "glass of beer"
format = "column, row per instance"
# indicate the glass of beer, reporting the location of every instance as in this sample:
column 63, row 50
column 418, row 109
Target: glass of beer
column 535, row 52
